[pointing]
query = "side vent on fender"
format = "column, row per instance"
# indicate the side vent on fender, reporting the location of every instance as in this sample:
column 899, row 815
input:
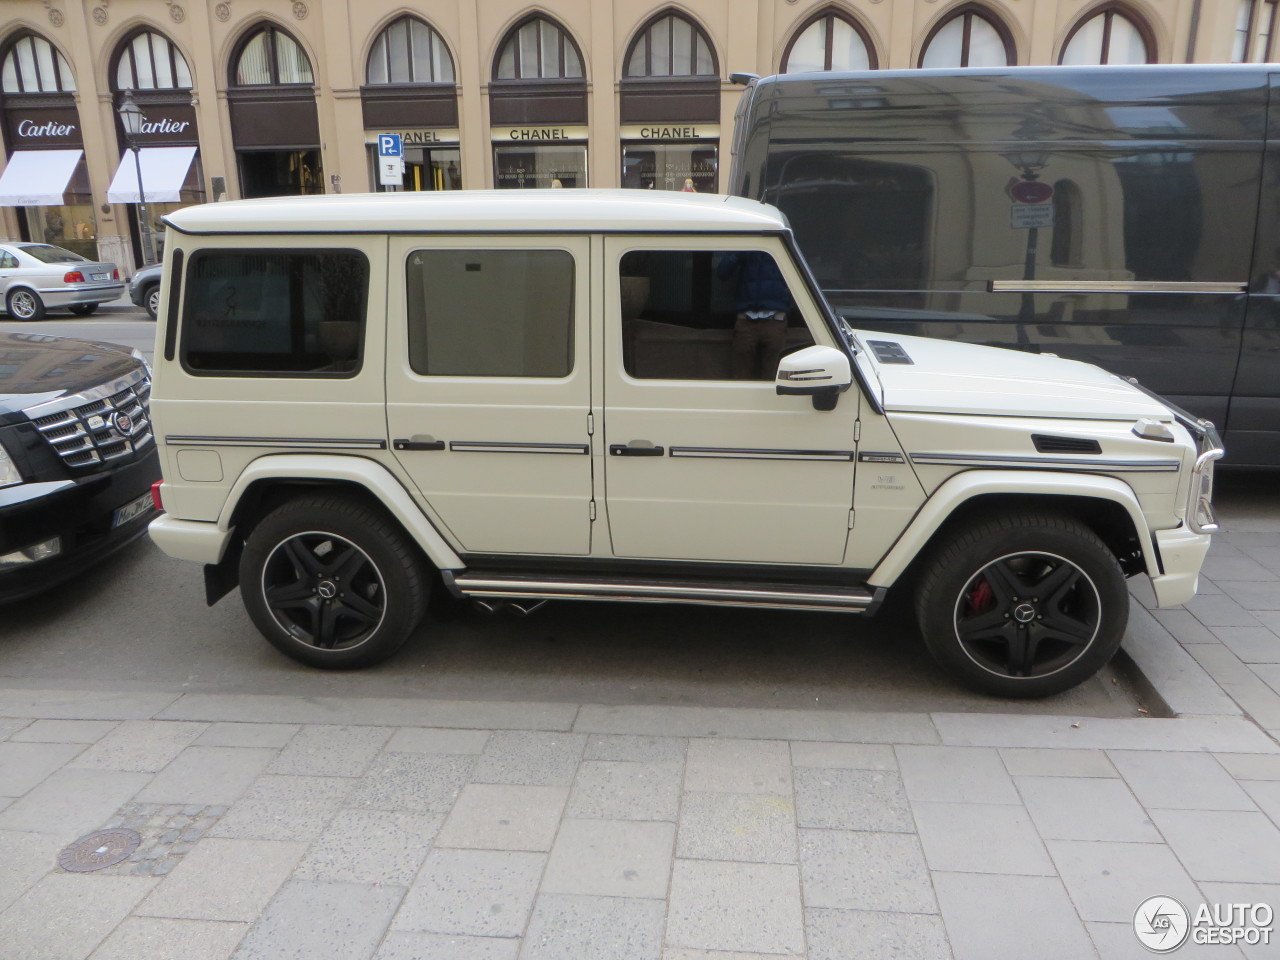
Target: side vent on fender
column 1050, row 444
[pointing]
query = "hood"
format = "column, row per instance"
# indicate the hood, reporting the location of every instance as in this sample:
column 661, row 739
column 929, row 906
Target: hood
column 35, row 368
column 945, row 376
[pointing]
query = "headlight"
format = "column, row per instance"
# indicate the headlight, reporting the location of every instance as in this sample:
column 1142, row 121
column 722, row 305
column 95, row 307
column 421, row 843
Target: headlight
column 8, row 469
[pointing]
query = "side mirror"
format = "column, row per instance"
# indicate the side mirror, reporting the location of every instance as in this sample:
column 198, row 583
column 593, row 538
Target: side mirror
column 819, row 372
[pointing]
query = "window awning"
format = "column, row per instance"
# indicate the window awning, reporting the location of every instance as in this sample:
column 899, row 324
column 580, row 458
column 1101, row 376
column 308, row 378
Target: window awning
column 37, row 178
column 164, row 170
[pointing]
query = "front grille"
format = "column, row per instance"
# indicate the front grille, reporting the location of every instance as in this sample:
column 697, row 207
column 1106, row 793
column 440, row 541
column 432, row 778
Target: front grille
column 90, row 433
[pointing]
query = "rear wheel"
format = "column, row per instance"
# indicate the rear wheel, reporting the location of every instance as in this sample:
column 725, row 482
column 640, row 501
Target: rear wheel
column 152, row 300
column 1024, row 606
column 83, row 309
column 332, row 583
column 24, row 304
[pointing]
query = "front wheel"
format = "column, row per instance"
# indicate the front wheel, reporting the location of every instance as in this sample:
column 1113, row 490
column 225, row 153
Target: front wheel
column 1028, row 605
column 152, row 301
column 332, row 582
column 24, row 304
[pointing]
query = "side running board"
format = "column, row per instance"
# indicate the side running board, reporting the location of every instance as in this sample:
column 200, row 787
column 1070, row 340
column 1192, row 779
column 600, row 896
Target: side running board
column 783, row 596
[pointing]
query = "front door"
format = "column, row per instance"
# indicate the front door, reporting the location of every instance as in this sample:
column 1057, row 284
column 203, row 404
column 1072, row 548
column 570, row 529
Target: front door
column 704, row 460
column 488, row 387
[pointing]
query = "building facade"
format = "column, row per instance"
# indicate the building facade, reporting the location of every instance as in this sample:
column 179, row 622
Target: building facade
column 272, row 97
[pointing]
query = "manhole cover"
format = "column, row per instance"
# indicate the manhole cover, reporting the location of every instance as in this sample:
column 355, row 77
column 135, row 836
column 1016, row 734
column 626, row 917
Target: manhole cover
column 98, row 850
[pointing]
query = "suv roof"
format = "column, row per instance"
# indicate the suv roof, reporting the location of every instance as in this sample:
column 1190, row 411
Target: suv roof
column 484, row 210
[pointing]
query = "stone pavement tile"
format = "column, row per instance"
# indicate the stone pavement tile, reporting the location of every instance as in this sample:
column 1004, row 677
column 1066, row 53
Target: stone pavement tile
column 627, row 790
column 1252, row 596
column 27, row 858
column 500, row 816
column 371, row 846
column 980, row 838
column 61, row 731
column 1266, row 794
column 224, row 880
column 1248, row 893
column 82, row 704
column 1140, row 589
column 66, row 915
column 1269, row 674
column 284, row 808
column 689, row 953
column 751, row 827
column 1269, row 618
column 1220, row 611
column 991, row 917
column 208, row 775
column 1222, row 569
column 330, row 751
column 861, row 935
column 1267, row 554
column 1107, row 881
column 140, row 746
column 1184, row 626
column 1117, row 941
column 481, row 893
column 603, row 746
column 434, row 740
column 565, row 927
column 1245, row 684
column 23, row 765
column 747, row 907
column 1074, row 808
column 420, row 783
column 849, row 756
column 11, row 726
column 405, row 945
column 273, row 735
column 1033, row 762
column 1230, row 846
column 956, row 775
column 611, row 858
column 530, row 757
column 748, row 723
column 851, row 800
column 865, row 871
column 312, row 920
column 1167, row 667
column 1179, row 781
column 154, row 938
column 1251, row 644
column 1218, row 734
column 71, row 803
column 1250, row 766
column 738, row 766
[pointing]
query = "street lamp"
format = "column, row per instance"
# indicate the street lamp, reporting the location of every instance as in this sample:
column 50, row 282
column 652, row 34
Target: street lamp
column 131, row 119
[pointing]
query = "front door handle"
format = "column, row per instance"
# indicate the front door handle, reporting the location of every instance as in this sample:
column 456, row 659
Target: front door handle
column 636, row 448
column 419, row 442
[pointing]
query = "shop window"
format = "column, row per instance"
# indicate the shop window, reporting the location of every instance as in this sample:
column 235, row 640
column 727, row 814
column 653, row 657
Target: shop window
column 830, row 41
column 688, row 167
column 409, row 51
column 970, row 37
column 32, row 65
column 271, row 57
column 538, row 50
column 1108, row 36
column 670, row 46
column 518, row 166
column 150, row 62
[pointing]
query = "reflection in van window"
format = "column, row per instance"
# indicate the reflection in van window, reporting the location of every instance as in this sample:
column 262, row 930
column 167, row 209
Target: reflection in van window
column 291, row 313
column 490, row 313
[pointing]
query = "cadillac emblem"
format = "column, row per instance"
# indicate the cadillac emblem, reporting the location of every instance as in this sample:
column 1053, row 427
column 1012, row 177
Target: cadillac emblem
column 123, row 423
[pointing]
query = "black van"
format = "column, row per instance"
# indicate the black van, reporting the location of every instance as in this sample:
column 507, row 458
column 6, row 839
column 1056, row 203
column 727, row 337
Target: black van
column 1126, row 216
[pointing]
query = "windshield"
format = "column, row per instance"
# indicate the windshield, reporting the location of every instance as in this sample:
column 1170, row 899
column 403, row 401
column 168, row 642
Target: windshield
column 47, row 253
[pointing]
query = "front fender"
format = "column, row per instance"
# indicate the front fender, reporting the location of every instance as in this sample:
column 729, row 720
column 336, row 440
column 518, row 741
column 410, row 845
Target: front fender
column 1044, row 485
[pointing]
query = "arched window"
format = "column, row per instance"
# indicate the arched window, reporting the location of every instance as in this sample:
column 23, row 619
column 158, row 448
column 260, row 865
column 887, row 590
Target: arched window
column 32, row 65
column 538, row 50
column 970, row 37
column 670, row 46
column 269, row 57
column 1109, row 36
column 829, row 41
column 150, row 62
column 409, row 51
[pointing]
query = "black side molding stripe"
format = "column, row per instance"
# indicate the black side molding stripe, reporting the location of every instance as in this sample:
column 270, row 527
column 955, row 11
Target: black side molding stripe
column 478, row 446
column 326, row 443
column 750, row 453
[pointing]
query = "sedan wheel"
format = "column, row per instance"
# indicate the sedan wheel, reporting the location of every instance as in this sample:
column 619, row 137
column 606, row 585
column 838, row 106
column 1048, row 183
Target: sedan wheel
column 152, row 301
column 24, row 304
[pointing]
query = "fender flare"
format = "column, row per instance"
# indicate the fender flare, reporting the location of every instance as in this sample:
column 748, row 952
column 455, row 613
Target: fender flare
column 975, row 483
column 369, row 474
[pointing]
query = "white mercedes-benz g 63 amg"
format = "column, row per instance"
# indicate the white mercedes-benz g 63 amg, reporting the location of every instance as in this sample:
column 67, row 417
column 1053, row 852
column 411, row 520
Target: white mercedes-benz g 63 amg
column 621, row 395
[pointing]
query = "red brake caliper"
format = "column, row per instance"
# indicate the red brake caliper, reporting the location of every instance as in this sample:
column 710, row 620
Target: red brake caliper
column 981, row 598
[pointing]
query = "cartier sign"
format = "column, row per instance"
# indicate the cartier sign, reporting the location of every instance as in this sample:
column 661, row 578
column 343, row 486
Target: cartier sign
column 29, row 128
column 51, row 127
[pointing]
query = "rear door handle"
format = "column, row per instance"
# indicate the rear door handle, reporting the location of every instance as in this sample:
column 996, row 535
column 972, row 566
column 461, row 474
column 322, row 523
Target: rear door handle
column 418, row 443
column 636, row 448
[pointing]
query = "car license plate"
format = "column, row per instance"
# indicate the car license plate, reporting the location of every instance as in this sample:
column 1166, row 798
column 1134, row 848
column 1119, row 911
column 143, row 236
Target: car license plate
column 100, row 276
column 132, row 510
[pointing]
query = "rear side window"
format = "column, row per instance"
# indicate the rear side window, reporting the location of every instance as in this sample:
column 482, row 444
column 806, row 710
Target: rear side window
column 275, row 312
column 490, row 313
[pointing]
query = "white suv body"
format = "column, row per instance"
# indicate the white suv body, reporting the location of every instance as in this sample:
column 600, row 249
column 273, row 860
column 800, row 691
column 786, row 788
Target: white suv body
column 619, row 395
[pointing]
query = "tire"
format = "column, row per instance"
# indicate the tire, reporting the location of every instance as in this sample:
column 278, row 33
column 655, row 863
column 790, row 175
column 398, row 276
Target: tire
column 332, row 582
column 1027, row 605
column 151, row 300
column 24, row 304
column 83, row 309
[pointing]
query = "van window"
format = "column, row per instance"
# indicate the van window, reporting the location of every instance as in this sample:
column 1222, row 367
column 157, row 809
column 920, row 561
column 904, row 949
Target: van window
column 706, row 315
column 490, row 313
column 275, row 312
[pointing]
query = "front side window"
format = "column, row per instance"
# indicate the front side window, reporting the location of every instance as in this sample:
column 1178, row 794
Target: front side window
column 283, row 313
column 706, row 315
column 969, row 38
column 490, row 313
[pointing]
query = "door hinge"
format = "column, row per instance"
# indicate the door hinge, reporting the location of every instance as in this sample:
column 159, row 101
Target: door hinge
column 857, row 430
column 850, row 519
column 591, row 424
column 593, row 510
